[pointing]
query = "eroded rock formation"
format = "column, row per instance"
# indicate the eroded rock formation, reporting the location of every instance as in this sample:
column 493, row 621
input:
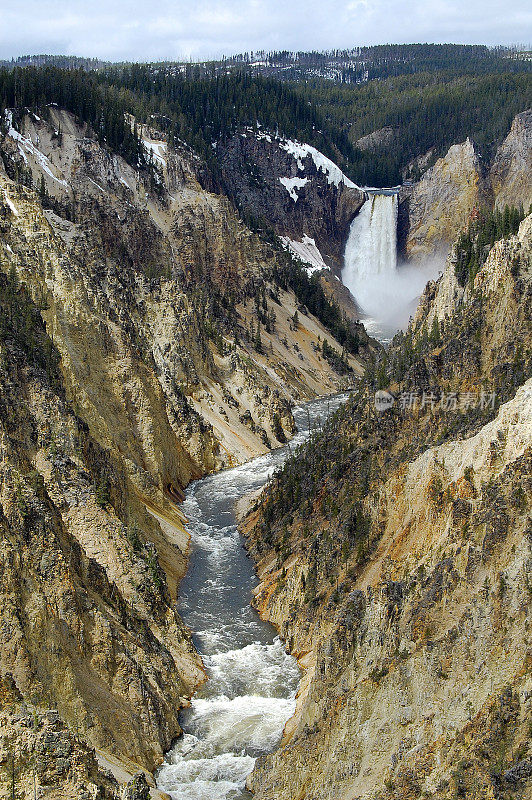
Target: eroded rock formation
column 131, row 362
column 395, row 555
column 434, row 208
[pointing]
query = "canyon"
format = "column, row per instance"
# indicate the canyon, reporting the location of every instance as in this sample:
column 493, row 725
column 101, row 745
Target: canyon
column 150, row 337
column 121, row 382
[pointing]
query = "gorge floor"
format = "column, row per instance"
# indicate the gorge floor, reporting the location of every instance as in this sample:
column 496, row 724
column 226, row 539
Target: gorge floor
column 241, row 710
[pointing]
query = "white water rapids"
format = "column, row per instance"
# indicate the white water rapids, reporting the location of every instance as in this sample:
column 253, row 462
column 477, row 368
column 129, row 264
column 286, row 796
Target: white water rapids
column 241, row 711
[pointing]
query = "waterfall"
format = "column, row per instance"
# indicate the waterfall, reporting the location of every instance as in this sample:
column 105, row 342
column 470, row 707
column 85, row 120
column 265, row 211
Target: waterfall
column 370, row 260
column 387, row 294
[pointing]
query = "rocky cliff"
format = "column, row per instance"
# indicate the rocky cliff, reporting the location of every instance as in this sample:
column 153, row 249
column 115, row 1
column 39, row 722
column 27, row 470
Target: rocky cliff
column 394, row 557
column 512, row 166
column 52, row 755
column 89, row 627
column 440, row 203
column 144, row 340
column 434, row 208
column 292, row 187
column 161, row 260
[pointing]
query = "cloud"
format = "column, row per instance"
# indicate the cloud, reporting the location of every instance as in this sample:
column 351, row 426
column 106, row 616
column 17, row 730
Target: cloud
column 170, row 29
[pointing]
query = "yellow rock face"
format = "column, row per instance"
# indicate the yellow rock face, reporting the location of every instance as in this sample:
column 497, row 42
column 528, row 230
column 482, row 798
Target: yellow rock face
column 415, row 649
column 442, row 200
column 114, row 395
column 512, row 167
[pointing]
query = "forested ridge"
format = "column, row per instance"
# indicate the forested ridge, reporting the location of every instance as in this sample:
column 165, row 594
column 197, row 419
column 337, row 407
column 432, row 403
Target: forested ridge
column 198, row 111
column 362, row 64
column 431, row 96
column 425, row 111
column 351, row 65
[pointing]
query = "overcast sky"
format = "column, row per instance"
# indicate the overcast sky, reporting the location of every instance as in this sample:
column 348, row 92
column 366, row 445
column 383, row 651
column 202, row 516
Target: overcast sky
column 140, row 30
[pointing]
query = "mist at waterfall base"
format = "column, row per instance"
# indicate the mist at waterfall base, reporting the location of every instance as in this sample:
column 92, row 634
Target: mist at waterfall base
column 386, row 291
column 240, row 712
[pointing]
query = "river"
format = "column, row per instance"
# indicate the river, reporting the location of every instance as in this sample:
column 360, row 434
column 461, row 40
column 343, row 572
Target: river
column 241, row 710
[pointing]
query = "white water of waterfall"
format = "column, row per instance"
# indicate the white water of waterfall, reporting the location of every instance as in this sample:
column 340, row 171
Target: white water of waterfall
column 386, row 293
column 370, row 260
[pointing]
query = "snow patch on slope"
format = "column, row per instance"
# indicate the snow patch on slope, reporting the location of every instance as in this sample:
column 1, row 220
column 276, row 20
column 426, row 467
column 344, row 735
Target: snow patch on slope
column 98, row 186
column 300, row 152
column 292, row 184
column 157, row 149
column 306, row 251
column 26, row 146
column 13, row 208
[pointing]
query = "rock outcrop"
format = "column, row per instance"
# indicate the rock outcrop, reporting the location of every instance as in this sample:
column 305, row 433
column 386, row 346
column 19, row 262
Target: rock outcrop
column 439, row 204
column 293, row 188
column 383, row 137
column 512, row 166
column 40, row 756
column 394, row 557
